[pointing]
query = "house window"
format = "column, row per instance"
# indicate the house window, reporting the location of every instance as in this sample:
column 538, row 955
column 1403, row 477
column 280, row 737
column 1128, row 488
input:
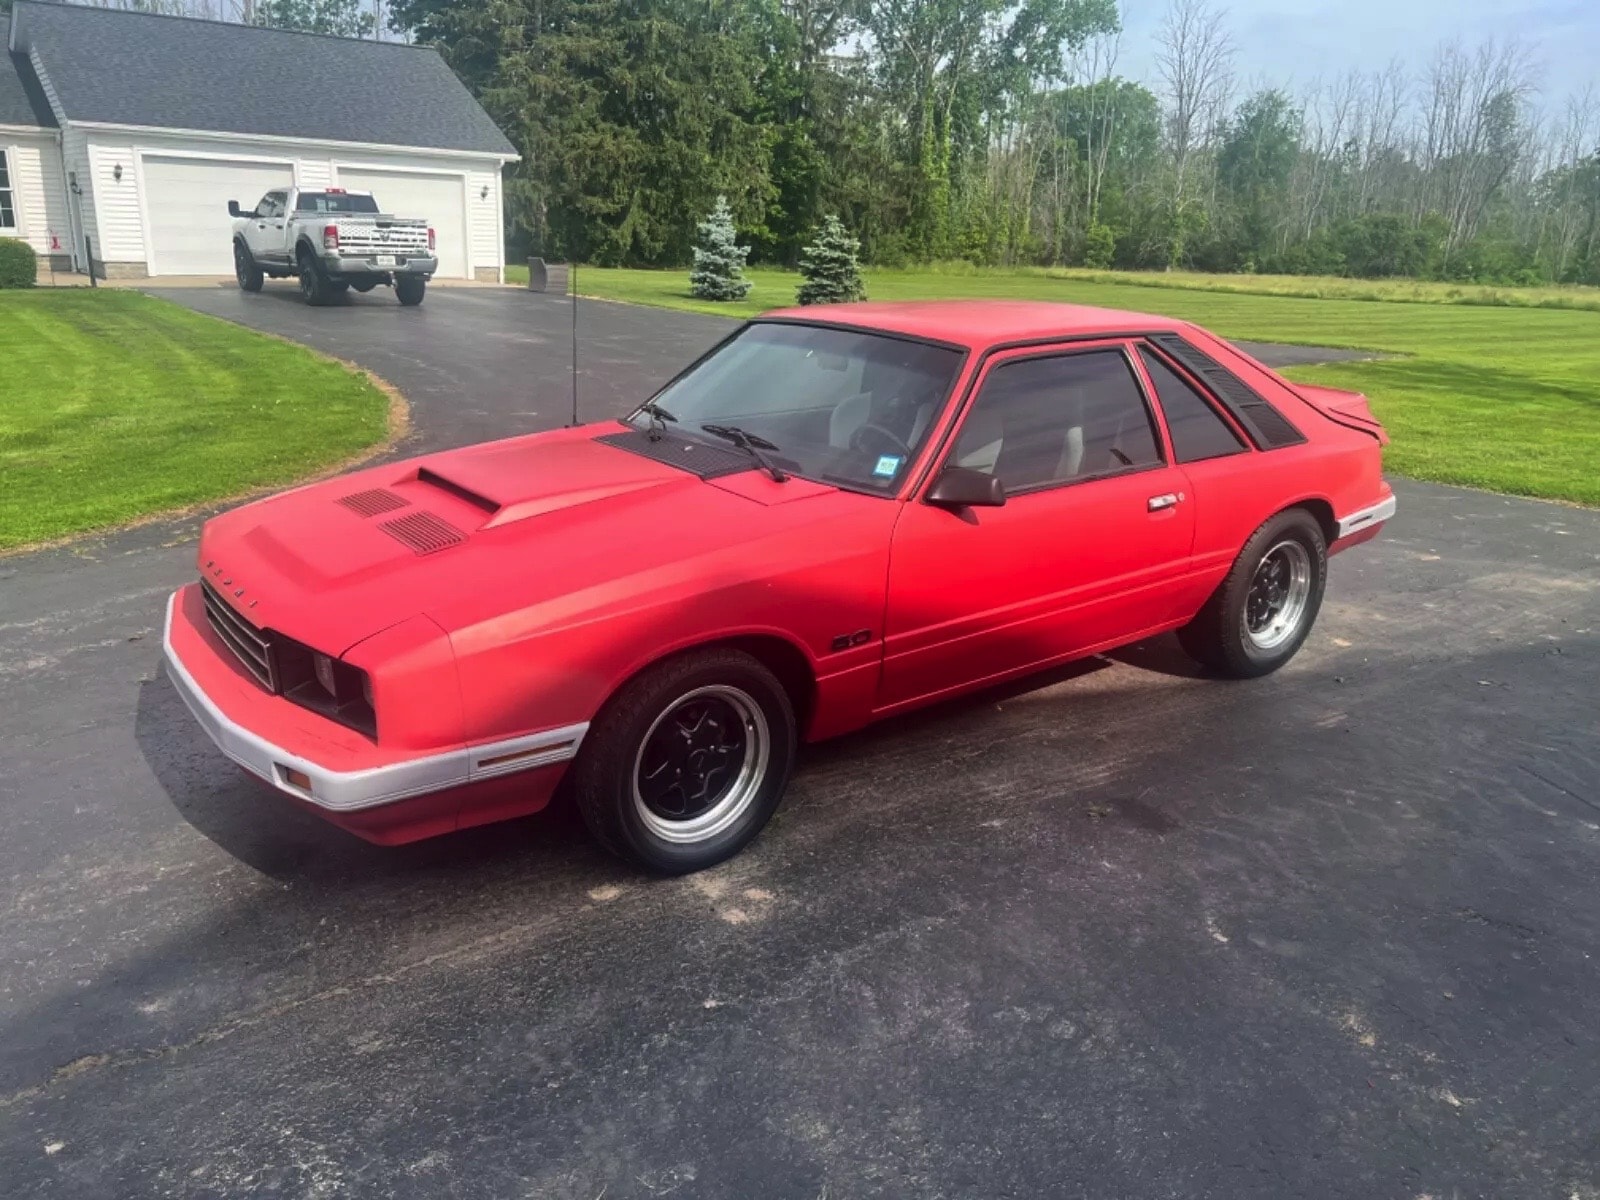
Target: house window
column 8, row 207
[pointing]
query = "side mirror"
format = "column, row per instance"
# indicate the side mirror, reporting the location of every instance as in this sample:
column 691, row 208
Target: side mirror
column 233, row 209
column 962, row 487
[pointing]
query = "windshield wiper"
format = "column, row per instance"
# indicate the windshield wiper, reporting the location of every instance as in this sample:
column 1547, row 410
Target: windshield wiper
column 753, row 444
column 658, row 419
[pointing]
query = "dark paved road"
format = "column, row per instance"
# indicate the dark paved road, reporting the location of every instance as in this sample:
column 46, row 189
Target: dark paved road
column 1132, row 934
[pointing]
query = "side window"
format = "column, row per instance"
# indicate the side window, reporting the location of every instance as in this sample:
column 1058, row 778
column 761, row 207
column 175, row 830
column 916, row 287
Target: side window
column 1197, row 431
column 1043, row 421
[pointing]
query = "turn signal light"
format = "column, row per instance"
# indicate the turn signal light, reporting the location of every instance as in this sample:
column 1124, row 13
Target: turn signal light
column 430, row 239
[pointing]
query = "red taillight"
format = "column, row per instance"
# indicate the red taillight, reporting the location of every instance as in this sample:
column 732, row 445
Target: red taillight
column 430, row 239
column 330, row 237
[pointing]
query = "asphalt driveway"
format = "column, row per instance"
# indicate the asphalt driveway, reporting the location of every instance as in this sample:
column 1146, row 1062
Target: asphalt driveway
column 1130, row 934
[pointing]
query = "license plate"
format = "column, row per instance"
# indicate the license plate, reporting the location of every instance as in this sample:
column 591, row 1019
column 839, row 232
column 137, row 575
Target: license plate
column 386, row 260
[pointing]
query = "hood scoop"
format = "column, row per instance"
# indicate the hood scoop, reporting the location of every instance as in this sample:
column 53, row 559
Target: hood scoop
column 460, row 491
column 422, row 532
column 373, row 502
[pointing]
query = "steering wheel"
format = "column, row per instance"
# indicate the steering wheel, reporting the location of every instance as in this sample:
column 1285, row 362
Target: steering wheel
column 857, row 439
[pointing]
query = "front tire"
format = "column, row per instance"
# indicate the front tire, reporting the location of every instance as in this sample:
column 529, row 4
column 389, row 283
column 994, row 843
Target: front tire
column 1263, row 611
column 409, row 290
column 245, row 269
column 688, row 762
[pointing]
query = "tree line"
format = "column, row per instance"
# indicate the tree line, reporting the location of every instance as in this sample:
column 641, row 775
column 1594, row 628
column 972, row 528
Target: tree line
column 1002, row 133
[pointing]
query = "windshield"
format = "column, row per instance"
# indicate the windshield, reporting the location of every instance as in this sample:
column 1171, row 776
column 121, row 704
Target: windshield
column 334, row 202
column 838, row 405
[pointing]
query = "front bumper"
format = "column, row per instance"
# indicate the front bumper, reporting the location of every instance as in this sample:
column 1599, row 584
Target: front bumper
column 339, row 264
column 274, row 739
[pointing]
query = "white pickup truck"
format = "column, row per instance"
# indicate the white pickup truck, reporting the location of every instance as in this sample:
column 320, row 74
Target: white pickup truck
column 332, row 240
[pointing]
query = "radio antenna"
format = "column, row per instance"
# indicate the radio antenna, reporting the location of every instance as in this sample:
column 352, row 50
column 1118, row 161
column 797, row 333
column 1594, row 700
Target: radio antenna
column 572, row 283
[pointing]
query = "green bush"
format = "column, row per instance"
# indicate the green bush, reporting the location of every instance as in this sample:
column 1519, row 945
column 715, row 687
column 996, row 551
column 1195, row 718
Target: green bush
column 1099, row 246
column 19, row 266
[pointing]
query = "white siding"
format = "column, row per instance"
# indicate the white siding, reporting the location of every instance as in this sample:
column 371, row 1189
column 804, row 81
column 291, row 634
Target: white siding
column 37, row 192
column 483, row 218
column 116, row 202
column 316, row 172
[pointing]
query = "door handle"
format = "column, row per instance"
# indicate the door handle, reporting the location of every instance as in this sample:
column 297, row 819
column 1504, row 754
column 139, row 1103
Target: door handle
column 1165, row 500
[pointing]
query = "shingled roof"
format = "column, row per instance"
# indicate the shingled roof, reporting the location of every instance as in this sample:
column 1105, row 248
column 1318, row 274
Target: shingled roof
column 22, row 100
column 131, row 68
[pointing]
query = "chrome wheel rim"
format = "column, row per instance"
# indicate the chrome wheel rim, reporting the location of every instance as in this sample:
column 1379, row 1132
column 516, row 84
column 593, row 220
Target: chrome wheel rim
column 308, row 281
column 1279, row 594
column 239, row 271
column 701, row 764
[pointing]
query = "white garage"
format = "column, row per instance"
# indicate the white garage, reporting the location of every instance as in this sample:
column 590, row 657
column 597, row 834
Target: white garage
column 440, row 198
column 163, row 120
column 186, row 209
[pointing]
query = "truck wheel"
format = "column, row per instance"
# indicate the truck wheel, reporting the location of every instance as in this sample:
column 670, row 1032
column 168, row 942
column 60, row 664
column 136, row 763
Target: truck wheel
column 314, row 287
column 687, row 762
column 245, row 269
column 408, row 289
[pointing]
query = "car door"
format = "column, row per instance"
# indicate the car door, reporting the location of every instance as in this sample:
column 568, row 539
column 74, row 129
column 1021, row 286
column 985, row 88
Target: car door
column 267, row 245
column 1085, row 551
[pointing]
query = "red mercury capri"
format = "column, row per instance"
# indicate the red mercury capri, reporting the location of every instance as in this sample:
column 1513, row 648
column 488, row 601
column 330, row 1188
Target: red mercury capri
column 837, row 514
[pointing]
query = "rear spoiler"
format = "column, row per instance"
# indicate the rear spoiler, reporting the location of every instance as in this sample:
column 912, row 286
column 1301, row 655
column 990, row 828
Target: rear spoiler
column 1349, row 409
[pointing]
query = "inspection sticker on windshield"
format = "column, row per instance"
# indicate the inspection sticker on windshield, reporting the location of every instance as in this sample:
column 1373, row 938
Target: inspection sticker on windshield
column 888, row 464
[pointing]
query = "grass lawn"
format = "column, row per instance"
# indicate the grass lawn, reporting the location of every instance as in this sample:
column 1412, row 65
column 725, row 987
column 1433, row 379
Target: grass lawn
column 1503, row 395
column 114, row 405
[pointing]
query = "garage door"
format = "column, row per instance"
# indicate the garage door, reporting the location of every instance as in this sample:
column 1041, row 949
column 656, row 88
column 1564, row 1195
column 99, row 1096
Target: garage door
column 186, row 200
column 439, row 198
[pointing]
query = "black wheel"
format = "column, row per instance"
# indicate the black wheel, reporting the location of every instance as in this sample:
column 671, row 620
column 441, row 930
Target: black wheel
column 1260, row 615
column 687, row 762
column 245, row 269
column 314, row 288
column 409, row 290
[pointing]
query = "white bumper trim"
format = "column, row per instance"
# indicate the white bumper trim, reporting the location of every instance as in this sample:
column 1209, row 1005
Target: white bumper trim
column 1374, row 514
column 347, row 791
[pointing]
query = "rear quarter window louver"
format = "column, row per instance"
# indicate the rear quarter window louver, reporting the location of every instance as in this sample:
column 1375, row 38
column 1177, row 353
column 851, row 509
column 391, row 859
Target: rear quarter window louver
column 1268, row 428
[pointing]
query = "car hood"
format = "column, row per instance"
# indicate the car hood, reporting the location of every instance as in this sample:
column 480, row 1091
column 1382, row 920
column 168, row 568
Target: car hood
column 463, row 535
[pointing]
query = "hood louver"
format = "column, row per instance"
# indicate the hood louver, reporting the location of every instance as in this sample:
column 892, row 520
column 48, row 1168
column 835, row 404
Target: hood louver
column 373, row 502
column 422, row 532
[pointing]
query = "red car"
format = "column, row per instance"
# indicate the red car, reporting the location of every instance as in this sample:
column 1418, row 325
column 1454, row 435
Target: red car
column 836, row 514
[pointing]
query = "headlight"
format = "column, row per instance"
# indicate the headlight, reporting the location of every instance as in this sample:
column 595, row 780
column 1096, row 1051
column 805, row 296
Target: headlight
column 325, row 685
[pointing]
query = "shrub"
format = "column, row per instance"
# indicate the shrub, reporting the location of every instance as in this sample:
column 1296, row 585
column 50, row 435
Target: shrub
column 1099, row 246
column 19, row 266
column 831, row 267
column 718, row 260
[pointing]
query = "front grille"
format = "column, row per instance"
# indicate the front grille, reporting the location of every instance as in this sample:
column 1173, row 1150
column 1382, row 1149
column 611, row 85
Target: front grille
column 249, row 644
column 423, row 532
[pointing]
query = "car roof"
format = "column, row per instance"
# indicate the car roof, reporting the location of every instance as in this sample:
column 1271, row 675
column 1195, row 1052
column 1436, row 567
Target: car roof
column 979, row 324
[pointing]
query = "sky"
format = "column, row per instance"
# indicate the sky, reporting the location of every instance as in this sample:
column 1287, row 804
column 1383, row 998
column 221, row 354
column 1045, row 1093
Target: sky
column 1296, row 41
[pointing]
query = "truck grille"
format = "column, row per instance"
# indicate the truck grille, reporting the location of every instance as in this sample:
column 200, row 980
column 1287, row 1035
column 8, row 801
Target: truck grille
column 249, row 644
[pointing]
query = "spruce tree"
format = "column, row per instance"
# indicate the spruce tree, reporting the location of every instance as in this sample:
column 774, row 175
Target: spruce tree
column 830, row 266
column 718, row 260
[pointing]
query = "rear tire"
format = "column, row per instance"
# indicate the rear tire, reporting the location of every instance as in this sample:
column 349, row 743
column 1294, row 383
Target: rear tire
column 1263, row 611
column 687, row 762
column 245, row 269
column 409, row 290
column 314, row 287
